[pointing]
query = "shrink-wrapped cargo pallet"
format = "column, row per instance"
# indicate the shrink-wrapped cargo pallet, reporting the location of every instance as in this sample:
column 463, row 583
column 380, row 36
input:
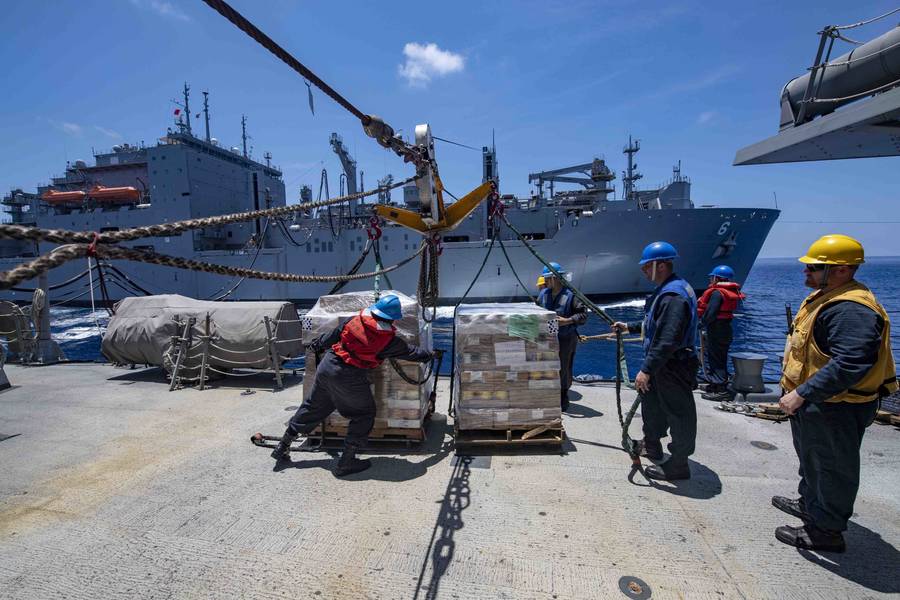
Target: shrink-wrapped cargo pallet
column 400, row 406
column 507, row 367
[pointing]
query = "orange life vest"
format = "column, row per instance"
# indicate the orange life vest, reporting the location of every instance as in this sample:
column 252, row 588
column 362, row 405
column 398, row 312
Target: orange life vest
column 731, row 297
column 362, row 338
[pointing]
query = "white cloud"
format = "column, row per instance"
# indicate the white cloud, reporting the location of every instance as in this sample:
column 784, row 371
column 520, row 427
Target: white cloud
column 706, row 116
column 425, row 62
column 73, row 129
column 108, row 132
column 162, row 8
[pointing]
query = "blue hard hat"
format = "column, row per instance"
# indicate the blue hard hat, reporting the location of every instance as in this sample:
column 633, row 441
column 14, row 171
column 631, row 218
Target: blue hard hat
column 388, row 308
column 658, row 251
column 548, row 273
column 723, row 271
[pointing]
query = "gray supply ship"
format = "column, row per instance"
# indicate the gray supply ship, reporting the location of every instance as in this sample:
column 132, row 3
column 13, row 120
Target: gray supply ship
column 596, row 237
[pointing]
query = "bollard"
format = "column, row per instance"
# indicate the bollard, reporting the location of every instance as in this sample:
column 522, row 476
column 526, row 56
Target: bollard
column 748, row 368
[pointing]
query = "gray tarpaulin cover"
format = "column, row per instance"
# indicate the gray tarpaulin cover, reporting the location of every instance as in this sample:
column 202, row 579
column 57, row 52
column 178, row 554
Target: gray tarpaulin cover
column 143, row 328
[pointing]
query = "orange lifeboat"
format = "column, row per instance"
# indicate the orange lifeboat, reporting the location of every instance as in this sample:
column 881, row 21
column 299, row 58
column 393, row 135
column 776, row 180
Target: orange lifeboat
column 115, row 195
column 62, row 198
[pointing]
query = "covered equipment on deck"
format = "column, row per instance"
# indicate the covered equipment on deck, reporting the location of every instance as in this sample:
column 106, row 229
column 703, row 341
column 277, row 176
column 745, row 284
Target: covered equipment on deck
column 153, row 330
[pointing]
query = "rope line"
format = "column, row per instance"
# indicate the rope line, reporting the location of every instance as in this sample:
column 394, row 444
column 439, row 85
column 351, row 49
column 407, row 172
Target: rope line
column 217, row 347
column 65, row 253
column 373, row 126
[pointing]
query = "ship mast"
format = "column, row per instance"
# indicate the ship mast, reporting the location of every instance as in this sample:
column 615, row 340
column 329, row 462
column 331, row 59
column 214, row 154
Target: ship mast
column 631, row 175
column 184, row 125
column 187, row 106
column 206, row 113
column 244, row 134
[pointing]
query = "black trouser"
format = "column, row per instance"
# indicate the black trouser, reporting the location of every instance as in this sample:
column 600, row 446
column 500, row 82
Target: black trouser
column 669, row 406
column 567, row 346
column 718, row 341
column 345, row 388
column 827, row 437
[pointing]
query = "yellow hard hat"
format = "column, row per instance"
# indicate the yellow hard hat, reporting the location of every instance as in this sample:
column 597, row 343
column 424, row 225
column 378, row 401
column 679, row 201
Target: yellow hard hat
column 834, row 249
column 541, row 280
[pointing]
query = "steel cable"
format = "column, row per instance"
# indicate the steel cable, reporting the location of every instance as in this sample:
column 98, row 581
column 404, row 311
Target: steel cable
column 866, row 22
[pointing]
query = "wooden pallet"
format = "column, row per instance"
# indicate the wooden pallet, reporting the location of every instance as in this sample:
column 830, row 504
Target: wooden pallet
column 377, row 435
column 545, row 435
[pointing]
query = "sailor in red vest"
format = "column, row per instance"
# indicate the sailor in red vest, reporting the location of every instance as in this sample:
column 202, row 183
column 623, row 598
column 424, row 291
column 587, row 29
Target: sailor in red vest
column 342, row 380
column 715, row 308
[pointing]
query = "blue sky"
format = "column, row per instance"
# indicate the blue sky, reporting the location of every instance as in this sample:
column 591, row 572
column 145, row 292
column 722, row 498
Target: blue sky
column 559, row 82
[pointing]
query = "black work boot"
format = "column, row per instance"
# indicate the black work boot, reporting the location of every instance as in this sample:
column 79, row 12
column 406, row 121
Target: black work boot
column 651, row 449
column 811, row 537
column 670, row 470
column 718, row 395
column 791, row 507
column 348, row 463
column 283, row 451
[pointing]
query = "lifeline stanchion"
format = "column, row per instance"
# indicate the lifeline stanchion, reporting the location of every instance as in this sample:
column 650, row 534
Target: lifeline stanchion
column 204, row 362
column 273, row 353
column 183, row 344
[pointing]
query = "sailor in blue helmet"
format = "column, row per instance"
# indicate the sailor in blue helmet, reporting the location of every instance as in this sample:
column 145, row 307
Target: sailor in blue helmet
column 715, row 309
column 668, row 374
column 342, row 380
column 572, row 313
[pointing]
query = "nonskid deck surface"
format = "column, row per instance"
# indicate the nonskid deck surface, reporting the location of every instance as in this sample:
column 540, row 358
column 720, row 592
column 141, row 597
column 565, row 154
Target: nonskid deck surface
column 118, row 489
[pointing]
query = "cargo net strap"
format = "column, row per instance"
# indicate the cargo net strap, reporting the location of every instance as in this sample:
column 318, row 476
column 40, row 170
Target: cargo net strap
column 629, row 445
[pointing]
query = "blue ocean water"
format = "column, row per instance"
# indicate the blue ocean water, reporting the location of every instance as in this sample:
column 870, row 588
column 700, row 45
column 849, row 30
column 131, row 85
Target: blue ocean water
column 759, row 326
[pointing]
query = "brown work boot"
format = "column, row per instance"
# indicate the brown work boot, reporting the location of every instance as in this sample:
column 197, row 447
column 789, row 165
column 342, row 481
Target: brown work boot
column 791, row 507
column 811, row 537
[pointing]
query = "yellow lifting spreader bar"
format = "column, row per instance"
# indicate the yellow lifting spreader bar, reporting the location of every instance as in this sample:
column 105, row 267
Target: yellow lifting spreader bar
column 433, row 216
column 448, row 218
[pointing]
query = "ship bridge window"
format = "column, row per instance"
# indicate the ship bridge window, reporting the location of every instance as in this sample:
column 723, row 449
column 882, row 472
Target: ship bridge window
column 331, row 246
column 532, row 236
column 456, row 238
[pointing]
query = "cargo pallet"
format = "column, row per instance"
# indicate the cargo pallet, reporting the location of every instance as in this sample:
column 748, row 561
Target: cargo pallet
column 386, row 435
column 544, row 435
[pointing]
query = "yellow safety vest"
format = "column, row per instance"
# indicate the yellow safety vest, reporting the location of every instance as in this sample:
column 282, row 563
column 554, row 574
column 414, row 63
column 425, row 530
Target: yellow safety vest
column 803, row 357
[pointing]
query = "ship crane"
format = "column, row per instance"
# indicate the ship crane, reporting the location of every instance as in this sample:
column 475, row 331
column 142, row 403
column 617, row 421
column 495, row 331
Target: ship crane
column 596, row 177
column 348, row 163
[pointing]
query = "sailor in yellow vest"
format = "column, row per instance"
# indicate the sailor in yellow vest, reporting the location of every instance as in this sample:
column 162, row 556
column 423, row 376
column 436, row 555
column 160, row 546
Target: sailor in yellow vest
column 837, row 364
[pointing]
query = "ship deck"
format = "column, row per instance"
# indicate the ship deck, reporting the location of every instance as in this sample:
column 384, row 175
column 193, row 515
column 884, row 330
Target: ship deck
column 114, row 487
